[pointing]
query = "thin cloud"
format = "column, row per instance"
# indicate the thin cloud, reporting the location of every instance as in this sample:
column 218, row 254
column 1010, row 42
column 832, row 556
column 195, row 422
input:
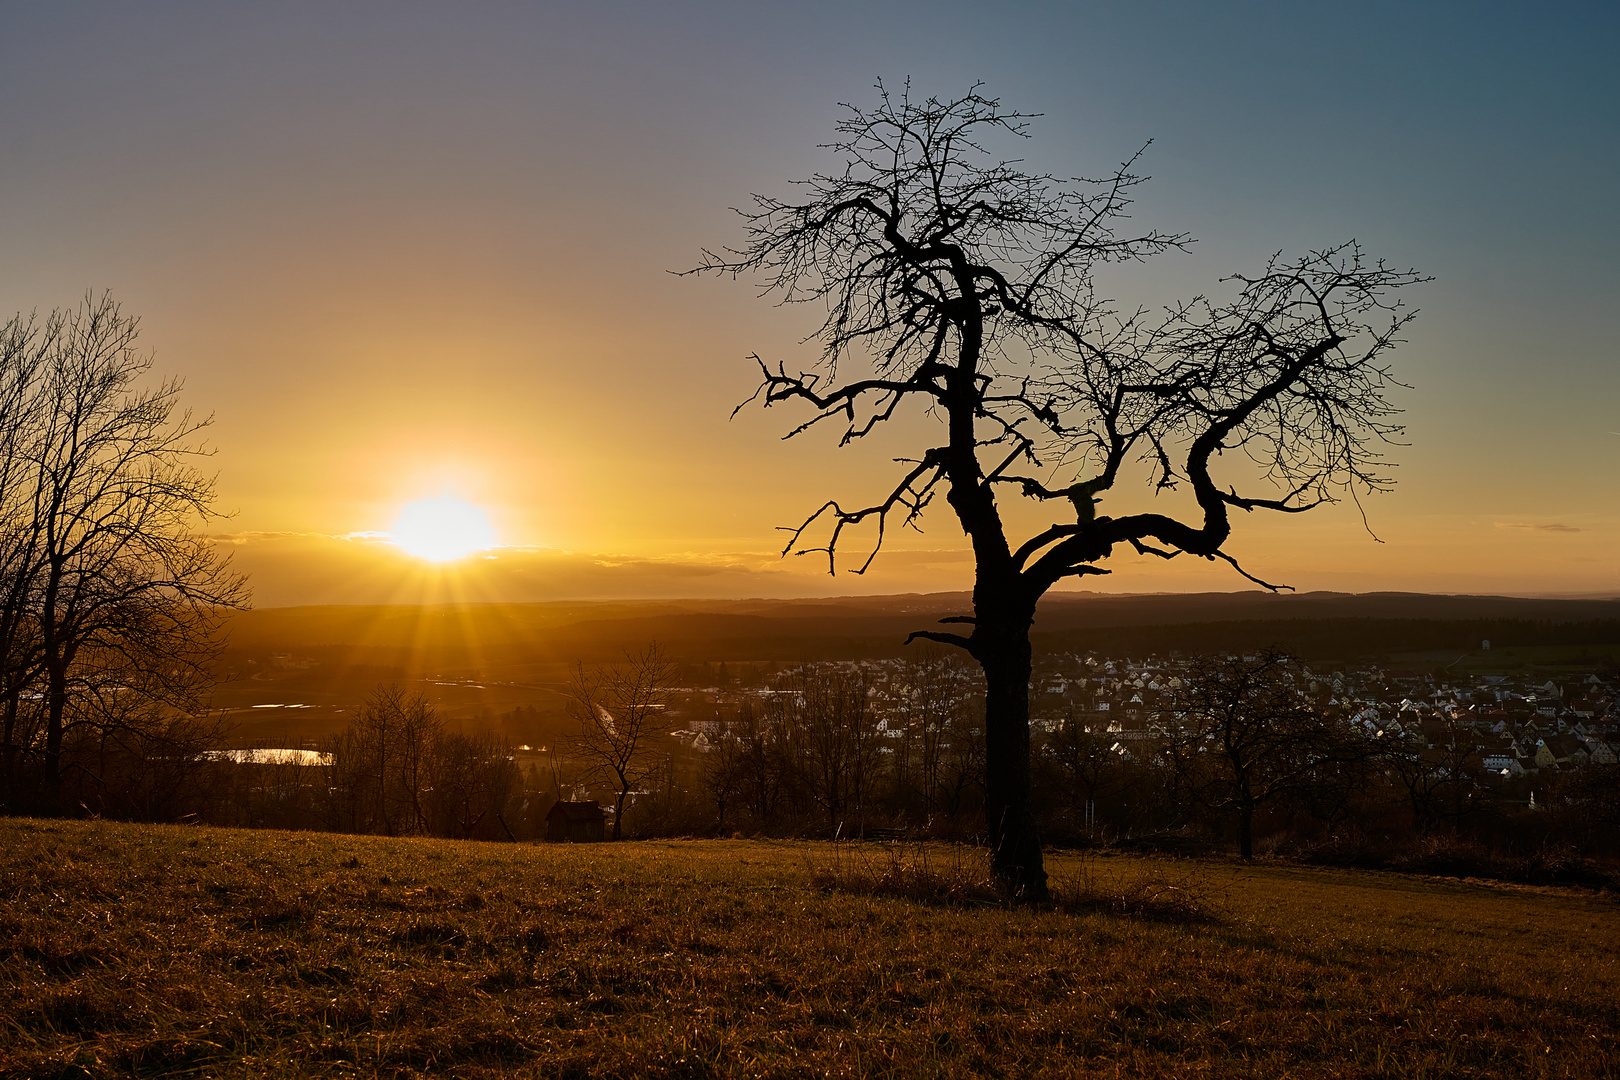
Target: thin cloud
column 253, row 537
column 272, row 536
column 1552, row 528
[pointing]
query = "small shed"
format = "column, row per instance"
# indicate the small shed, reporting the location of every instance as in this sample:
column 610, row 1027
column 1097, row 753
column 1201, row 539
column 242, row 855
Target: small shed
column 575, row 823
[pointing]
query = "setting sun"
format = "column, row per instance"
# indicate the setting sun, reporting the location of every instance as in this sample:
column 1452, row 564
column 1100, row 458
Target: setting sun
column 442, row 529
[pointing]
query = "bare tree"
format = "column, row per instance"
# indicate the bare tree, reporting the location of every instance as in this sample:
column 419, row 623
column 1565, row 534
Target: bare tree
column 830, row 740
column 617, row 709
column 1587, row 802
column 726, row 771
column 1247, row 737
column 473, row 785
column 145, row 762
column 24, row 349
column 382, row 763
column 763, row 762
column 1080, row 764
column 107, row 588
column 960, row 287
column 940, row 716
column 1437, row 779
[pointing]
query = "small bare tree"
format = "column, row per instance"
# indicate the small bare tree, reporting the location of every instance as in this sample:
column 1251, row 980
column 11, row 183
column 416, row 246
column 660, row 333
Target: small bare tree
column 823, row 718
column 474, row 785
column 725, row 772
column 1246, row 737
column 24, row 350
column 1437, row 778
column 382, row 764
column 937, row 710
column 959, row 287
column 764, row 765
column 617, row 709
column 1081, row 764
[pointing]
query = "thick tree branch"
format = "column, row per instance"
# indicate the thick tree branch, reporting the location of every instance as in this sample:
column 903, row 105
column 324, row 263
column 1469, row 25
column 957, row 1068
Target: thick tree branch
column 942, row 637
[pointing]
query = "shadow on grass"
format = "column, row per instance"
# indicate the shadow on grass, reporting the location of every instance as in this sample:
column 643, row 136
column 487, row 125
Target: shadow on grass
column 1448, row 855
column 1153, row 894
column 958, row 876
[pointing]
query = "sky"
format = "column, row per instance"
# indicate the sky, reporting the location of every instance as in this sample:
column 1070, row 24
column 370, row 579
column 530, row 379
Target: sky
column 405, row 250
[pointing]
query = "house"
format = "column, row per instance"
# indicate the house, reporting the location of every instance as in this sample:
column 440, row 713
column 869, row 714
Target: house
column 575, row 823
column 1133, row 725
column 1569, row 750
column 1601, row 753
column 1504, row 765
column 1560, row 750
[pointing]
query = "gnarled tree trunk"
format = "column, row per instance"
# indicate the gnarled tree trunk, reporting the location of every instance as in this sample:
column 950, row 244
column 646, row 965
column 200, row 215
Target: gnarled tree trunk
column 1015, row 849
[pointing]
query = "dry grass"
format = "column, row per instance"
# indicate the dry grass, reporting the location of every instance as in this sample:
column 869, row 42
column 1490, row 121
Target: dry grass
column 949, row 874
column 167, row 951
column 1157, row 890
column 955, row 875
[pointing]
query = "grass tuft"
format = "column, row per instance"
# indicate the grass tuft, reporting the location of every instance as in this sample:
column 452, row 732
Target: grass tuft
column 930, row 874
column 1156, row 892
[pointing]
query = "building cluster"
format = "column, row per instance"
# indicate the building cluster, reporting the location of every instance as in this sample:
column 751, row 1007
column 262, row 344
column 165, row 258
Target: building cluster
column 1492, row 728
column 900, row 694
column 1489, row 727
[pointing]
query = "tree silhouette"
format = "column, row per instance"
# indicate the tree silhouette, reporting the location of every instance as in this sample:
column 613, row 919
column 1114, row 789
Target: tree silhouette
column 824, row 719
column 959, row 286
column 383, row 763
column 1247, row 737
column 105, row 589
column 617, row 708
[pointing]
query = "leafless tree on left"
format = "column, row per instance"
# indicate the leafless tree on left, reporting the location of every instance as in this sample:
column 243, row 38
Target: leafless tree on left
column 106, row 587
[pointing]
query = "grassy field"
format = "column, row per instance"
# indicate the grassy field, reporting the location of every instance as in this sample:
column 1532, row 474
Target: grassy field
column 173, row 951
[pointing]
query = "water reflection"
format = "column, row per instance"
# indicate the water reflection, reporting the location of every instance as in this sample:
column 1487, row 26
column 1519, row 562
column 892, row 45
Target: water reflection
column 269, row 757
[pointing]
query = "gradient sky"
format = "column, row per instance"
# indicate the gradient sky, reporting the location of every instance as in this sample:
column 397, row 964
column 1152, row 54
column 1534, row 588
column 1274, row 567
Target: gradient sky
column 400, row 249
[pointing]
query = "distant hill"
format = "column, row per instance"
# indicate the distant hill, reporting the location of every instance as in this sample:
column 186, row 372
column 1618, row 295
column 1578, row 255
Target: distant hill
column 1323, row 625
column 787, row 630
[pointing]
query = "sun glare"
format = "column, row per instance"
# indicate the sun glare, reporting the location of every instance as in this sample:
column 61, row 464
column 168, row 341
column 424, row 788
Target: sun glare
column 442, row 529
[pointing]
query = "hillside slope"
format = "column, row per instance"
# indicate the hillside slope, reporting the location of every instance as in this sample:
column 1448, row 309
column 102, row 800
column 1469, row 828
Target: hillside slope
column 164, row 950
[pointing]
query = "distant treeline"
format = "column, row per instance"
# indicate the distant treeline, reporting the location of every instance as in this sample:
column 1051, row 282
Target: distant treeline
column 542, row 642
column 1330, row 638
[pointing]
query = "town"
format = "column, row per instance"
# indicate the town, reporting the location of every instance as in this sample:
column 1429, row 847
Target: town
column 1100, row 726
